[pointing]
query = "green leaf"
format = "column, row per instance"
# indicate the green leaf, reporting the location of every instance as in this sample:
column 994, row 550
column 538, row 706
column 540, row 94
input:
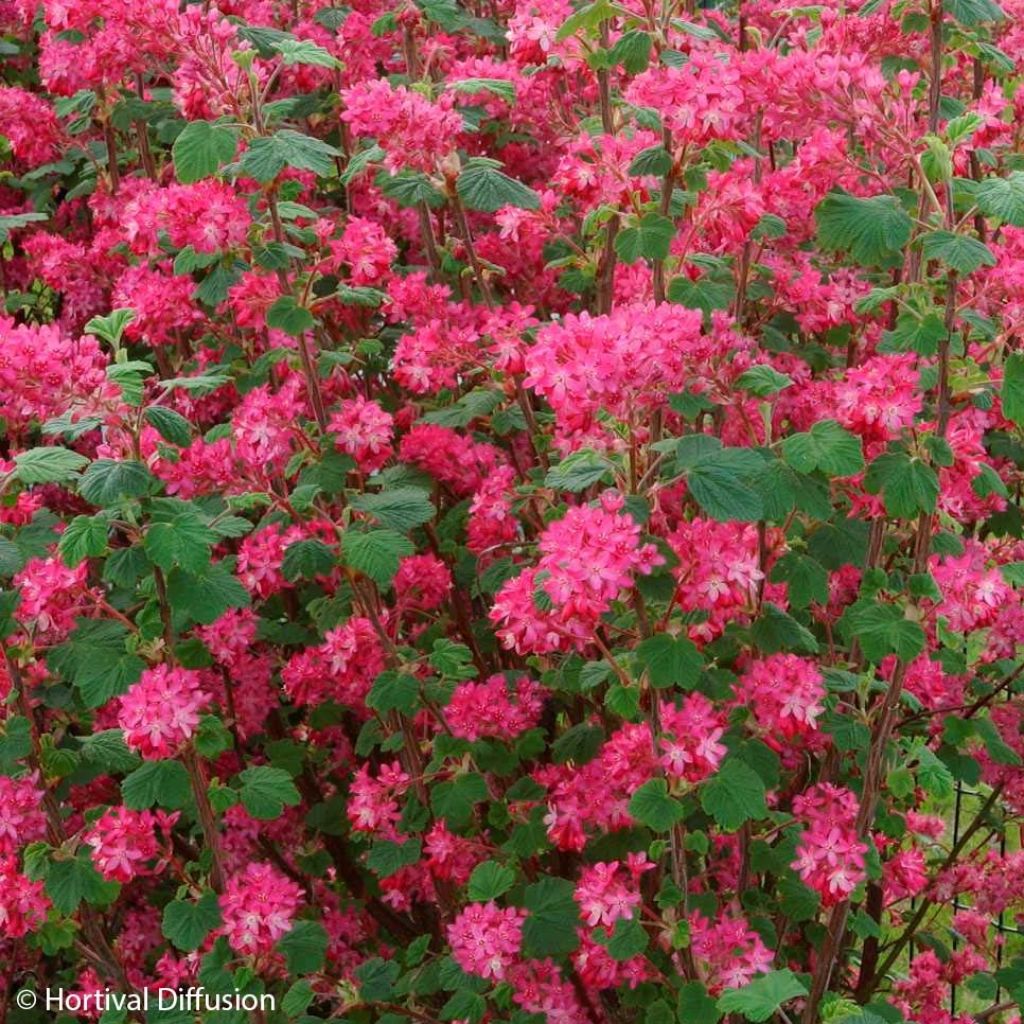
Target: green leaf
column 655, row 161
column 481, row 186
column 11, row 558
column 170, row 425
column 304, row 947
column 375, row 553
column 377, row 978
column 205, row 596
column 907, row 485
column 871, row 230
column 107, row 750
column 156, row 782
column 267, row 157
column 761, row 999
column 500, row 87
column 297, row 999
column 806, row 579
column 181, row 539
column 763, row 381
column 476, row 404
column 652, row 806
column 691, row 448
column 550, row 928
column 266, row 791
column 704, row 294
column 578, row 471
column 649, row 238
column 974, row 12
column 288, row 316
column 696, row 1006
column 914, row 333
column 489, row 881
column 11, row 221
column 187, row 922
column 401, row 509
column 307, row 559
column 130, row 379
column 200, row 149
column 410, row 188
column 394, row 691
column 48, row 465
column 69, row 882
column 95, row 659
column 1012, row 394
column 85, row 537
column 717, row 483
column 734, row 795
column 826, row 447
column 589, row 16
column 882, row 629
column 454, row 801
column 386, row 858
column 776, row 630
column 629, row 939
column 464, row 1005
column 632, row 50
column 1002, row 198
column 110, row 482
column 670, row 661
column 304, row 51
column 960, row 252
column 933, row 775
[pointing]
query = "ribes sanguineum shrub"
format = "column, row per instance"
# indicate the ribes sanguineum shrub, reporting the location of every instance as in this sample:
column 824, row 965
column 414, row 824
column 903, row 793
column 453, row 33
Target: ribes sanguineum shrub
column 512, row 512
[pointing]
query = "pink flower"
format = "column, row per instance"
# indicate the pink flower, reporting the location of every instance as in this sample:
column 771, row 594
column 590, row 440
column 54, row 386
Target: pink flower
column 830, row 856
column 690, row 747
column 258, row 907
column 605, row 896
column 365, row 431
column 499, row 708
column 160, row 713
column 485, row 939
column 123, row 841
column 784, row 693
column 23, row 903
column 22, row 820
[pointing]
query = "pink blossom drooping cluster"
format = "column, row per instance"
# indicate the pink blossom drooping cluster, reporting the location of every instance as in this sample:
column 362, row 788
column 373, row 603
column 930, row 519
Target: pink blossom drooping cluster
column 160, row 713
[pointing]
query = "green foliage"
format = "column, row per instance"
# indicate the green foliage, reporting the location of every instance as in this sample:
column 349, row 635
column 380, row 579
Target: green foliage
column 670, row 661
column 649, row 238
column 482, row 186
column 48, row 465
column 652, row 806
column 734, row 795
column 200, row 150
column 827, row 448
column 760, row 999
column 187, row 922
column 871, row 230
column 907, row 485
column 552, row 918
column 375, row 553
column 266, row 791
column 490, row 880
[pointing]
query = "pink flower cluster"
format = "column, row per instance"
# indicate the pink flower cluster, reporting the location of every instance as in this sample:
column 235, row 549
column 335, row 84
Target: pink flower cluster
column 499, row 708
column 160, row 713
column 258, row 907
column 486, row 939
column 588, row 559
column 830, row 857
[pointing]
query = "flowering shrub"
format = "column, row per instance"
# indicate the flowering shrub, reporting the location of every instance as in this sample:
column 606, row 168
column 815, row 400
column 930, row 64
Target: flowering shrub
column 513, row 512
